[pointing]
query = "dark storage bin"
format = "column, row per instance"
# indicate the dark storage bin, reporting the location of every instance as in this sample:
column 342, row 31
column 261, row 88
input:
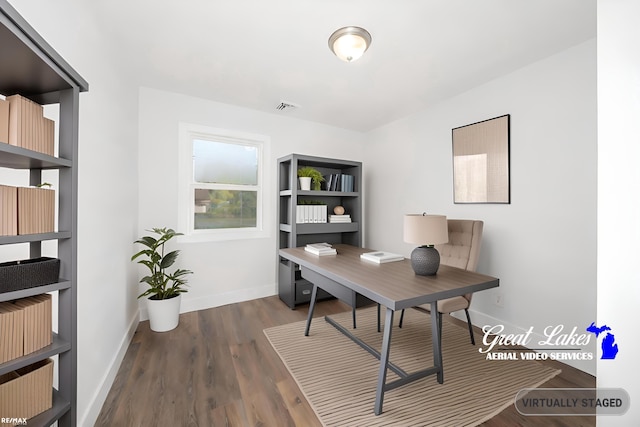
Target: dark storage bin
column 16, row 275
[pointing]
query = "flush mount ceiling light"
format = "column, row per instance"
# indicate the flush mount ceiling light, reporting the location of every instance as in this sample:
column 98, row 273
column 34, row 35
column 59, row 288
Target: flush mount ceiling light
column 349, row 43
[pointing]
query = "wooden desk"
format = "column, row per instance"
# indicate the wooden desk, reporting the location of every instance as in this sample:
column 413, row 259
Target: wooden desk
column 393, row 285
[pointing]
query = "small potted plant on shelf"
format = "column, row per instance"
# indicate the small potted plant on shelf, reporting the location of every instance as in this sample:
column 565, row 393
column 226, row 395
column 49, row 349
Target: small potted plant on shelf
column 309, row 176
column 165, row 288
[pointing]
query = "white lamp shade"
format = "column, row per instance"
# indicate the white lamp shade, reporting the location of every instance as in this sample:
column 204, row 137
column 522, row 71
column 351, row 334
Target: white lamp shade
column 426, row 229
column 349, row 43
column 349, row 47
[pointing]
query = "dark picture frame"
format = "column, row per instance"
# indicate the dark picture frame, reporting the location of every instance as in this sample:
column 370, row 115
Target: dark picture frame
column 481, row 161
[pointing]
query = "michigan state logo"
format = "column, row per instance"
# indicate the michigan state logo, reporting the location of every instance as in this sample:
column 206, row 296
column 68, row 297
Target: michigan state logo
column 608, row 344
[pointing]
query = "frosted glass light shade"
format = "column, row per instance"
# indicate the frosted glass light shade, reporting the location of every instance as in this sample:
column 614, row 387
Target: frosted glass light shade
column 426, row 229
column 349, row 43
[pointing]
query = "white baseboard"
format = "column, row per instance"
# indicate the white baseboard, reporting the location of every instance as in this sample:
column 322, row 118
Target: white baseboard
column 95, row 405
column 217, row 300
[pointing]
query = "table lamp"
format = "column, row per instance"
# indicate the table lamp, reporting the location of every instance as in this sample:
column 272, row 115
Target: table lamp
column 426, row 231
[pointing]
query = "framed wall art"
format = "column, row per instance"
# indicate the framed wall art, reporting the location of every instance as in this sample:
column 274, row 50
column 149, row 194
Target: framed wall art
column 481, row 162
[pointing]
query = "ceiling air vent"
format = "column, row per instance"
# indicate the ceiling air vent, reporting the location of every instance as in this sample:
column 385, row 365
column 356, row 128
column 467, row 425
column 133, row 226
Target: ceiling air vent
column 287, row 106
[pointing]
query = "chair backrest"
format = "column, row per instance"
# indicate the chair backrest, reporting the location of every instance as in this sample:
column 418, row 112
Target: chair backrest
column 463, row 249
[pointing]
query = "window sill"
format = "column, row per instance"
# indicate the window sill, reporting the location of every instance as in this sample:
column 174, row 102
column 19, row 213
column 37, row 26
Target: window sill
column 223, row 235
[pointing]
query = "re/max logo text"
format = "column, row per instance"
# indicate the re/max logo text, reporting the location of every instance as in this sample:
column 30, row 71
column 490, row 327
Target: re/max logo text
column 14, row 421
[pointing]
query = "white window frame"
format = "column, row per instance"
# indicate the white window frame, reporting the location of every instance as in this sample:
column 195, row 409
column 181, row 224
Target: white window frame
column 186, row 206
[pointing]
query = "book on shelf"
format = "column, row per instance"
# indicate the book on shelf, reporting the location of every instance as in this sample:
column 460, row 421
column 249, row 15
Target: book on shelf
column 339, row 182
column 339, row 218
column 381, row 257
column 306, row 214
column 330, row 182
column 320, row 249
column 347, row 183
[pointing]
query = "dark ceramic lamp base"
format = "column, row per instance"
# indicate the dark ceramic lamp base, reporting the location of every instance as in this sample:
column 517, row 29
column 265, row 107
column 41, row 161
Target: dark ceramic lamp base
column 425, row 260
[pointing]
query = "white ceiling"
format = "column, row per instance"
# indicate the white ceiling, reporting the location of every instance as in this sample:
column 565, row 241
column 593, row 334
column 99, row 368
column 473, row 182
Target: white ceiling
column 256, row 53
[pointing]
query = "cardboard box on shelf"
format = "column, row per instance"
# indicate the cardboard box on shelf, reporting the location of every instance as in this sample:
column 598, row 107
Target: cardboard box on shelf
column 11, row 332
column 28, row 391
column 36, row 210
column 28, row 128
column 4, row 121
column 37, row 322
column 8, row 210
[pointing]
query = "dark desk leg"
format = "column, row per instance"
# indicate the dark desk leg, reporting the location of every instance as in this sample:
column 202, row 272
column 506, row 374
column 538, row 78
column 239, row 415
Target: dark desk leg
column 353, row 304
column 312, row 305
column 435, row 338
column 384, row 361
column 353, row 315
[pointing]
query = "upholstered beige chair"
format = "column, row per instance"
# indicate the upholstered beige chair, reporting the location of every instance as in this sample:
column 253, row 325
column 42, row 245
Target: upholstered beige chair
column 462, row 251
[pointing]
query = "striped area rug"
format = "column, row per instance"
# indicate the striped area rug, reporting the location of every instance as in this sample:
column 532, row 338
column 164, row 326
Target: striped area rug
column 338, row 378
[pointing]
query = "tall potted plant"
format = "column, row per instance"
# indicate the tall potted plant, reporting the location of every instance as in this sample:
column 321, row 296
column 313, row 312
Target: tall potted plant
column 165, row 288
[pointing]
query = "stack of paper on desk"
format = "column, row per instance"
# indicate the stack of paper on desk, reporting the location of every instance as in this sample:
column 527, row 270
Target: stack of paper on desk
column 381, row 257
column 320, row 249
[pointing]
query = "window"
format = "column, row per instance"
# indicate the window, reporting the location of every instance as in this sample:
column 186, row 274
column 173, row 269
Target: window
column 222, row 194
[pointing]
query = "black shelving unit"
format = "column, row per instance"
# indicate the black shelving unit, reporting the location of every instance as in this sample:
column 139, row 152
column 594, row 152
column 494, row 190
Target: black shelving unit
column 292, row 288
column 30, row 67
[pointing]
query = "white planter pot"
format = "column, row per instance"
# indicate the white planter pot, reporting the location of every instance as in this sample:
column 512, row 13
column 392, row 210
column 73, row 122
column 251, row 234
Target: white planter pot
column 164, row 314
column 305, row 183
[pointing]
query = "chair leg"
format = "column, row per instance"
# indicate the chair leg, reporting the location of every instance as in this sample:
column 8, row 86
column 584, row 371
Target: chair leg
column 378, row 317
column 473, row 341
column 401, row 318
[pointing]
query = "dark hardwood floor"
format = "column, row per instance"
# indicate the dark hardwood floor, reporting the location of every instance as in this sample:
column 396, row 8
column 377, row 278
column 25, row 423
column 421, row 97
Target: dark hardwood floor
column 218, row 369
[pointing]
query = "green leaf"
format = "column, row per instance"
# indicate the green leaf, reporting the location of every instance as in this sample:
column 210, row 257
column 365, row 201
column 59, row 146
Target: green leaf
column 168, row 260
column 148, row 241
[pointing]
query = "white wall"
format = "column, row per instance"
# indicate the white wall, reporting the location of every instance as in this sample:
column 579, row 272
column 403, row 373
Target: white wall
column 227, row 271
column 107, row 211
column 618, row 193
column 543, row 280
column 542, row 246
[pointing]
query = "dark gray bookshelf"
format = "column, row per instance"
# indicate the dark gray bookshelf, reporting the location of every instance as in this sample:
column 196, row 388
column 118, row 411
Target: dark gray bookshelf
column 292, row 288
column 30, row 67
